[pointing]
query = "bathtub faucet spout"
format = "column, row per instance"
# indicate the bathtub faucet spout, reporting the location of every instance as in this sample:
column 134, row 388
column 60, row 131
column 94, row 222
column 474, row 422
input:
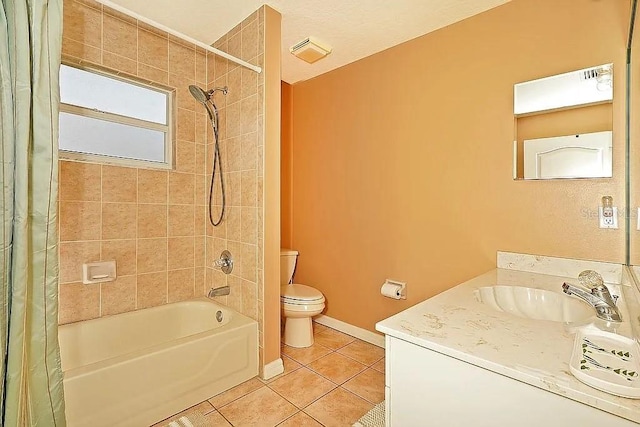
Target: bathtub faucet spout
column 218, row 292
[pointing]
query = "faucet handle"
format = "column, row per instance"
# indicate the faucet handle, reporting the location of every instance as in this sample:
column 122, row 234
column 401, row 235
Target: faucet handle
column 590, row 279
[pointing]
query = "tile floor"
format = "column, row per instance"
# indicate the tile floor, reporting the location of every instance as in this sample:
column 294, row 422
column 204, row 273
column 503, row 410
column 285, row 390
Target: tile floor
column 332, row 383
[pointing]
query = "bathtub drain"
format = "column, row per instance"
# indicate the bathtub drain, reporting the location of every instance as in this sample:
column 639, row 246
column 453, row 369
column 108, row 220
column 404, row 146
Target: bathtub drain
column 219, row 316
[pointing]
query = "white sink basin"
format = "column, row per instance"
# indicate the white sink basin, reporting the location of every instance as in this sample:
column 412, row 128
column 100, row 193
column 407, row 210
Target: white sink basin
column 536, row 304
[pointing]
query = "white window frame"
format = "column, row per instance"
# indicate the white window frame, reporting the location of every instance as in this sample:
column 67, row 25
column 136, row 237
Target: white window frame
column 168, row 129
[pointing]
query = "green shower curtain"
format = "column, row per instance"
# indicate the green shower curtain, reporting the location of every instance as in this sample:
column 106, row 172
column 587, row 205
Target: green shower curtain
column 30, row 374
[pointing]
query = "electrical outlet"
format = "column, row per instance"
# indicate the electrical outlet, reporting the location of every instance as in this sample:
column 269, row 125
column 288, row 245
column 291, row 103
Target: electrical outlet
column 608, row 218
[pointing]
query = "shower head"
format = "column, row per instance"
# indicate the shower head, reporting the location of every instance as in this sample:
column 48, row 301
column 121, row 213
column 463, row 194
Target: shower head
column 199, row 94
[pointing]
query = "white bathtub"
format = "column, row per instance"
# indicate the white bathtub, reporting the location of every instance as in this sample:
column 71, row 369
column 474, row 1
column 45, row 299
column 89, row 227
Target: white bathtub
column 138, row 368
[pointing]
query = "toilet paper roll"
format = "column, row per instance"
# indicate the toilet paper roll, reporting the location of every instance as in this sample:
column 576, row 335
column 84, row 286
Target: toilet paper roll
column 391, row 290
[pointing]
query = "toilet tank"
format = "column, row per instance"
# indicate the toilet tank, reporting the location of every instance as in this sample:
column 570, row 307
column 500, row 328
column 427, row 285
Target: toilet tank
column 287, row 265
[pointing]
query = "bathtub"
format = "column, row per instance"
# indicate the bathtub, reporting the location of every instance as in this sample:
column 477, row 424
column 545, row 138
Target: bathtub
column 138, row 368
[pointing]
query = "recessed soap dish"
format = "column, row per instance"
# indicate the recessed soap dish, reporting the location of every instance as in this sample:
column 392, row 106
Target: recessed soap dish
column 606, row 361
column 98, row 272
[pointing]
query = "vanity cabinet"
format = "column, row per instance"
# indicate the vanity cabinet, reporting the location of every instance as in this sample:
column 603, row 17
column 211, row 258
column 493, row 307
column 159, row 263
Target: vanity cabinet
column 428, row 388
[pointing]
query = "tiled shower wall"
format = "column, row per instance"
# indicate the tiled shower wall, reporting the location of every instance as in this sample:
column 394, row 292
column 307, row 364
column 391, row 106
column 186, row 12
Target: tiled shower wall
column 154, row 222
column 242, row 144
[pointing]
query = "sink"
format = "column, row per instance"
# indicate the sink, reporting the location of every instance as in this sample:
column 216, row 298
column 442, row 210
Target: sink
column 536, row 304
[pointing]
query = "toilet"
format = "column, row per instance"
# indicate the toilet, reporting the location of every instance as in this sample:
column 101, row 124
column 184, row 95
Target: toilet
column 299, row 303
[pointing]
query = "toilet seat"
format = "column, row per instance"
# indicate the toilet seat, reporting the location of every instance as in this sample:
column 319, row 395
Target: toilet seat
column 297, row 294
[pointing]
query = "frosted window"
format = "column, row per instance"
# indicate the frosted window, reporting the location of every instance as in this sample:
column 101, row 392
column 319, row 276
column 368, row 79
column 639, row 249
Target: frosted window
column 127, row 122
column 98, row 92
column 94, row 136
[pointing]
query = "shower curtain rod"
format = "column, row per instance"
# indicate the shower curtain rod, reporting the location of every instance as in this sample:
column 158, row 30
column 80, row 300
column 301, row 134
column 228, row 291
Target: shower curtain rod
column 164, row 28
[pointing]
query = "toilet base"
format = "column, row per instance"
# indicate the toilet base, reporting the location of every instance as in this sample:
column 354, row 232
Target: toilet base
column 298, row 332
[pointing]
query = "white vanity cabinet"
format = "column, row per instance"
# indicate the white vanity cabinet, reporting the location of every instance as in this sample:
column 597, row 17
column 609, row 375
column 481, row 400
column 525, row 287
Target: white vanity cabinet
column 427, row 388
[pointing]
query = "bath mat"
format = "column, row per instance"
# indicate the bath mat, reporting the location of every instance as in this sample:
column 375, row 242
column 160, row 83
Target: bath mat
column 373, row 418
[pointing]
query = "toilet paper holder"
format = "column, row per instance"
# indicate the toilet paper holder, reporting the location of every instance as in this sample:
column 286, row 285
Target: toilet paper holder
column 394, row 289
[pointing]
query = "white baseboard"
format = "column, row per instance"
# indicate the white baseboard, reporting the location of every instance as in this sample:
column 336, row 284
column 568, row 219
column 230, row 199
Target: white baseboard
column 272, row 369
column 354, row 331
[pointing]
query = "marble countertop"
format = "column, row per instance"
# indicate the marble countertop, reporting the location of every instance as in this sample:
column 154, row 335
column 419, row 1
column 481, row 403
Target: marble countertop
column 536, row 352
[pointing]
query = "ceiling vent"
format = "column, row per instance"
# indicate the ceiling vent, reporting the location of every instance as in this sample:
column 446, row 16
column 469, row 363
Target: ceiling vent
column 310, row 50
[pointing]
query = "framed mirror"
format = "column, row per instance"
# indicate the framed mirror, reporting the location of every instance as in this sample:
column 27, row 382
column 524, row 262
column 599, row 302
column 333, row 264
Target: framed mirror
column 563, row 125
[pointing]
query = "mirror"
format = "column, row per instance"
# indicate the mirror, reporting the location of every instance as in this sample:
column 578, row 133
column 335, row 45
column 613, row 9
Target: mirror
column 563, row 125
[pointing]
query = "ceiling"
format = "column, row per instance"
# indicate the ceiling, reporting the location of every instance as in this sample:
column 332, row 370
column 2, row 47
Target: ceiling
column 354, row 28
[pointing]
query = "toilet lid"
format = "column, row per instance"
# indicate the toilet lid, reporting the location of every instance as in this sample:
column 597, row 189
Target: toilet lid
column 300, row 293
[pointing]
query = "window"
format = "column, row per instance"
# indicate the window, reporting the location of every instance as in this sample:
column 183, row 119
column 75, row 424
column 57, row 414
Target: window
column 113, row 120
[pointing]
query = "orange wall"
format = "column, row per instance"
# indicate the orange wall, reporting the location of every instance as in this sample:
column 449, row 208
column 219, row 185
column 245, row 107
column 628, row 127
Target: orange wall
column 286, row 166
column 403, row 160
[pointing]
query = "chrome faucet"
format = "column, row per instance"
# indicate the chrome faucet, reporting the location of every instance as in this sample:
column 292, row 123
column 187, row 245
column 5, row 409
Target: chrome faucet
column 218, row 292
column 596, row 295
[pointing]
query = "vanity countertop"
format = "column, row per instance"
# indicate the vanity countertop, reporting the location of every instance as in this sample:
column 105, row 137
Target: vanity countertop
column 536, row 352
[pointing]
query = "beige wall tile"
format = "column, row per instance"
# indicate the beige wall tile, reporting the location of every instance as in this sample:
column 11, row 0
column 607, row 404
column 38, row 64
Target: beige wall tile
column 234, row 299
column 181, row 284
column 152, row 255
column 152, row 220
column 182, row 60
column 249, row 230
column 78, row 302
column 181, row 220
column 250, row 41
column 120, row 37
column 181, row 188
column 234, row 193
column 151, row 290
column 118, row 296
column 249, row 151
column 199, row 286
column 233, row 120
column 73, row 255
column 248, row 114
column 118, row 220
column 154, row 50
column 234, row 154
column 201, row 68
column 199, row 251
column 202, row 189
column 82, row 24
column 79, row 221
column 186, row 156
column 79, row 181
column 249, row 299
column 74, row 49
column 155, row 75
column 119, row 184
column 234, row 46
column 249, row 83
column 184, row 99
column 248, row 254
column 181, row 253
column 234, row 82
column 201, row 217
column 202, row 124
column 249, row 188
column 123, row 252
column 152, row 186
column 201, row 157
column 186, row 125
column 119, row 63
column 234, row 223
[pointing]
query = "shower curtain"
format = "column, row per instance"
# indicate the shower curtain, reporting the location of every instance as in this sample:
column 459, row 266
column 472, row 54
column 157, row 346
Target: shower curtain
column 30, row 374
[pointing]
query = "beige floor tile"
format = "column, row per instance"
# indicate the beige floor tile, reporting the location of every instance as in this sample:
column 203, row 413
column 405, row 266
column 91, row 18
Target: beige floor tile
column 236, row 392
column 300, row 420
column 337, row 368
column 317, row 328
column 379, row 366
column 302, row 387
column 339, row 408
column 306, row 355
column 263, row 407
column 194, row 413
column 369, row 385
column 290, row 365
column 363, row 352
column 333, row 339
column 214, row 419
